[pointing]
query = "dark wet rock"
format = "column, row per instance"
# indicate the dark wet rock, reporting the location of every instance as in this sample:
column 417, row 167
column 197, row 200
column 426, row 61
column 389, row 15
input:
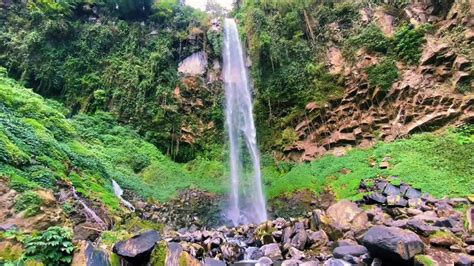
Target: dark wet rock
column 376, row 198
column 315, row 223
column 446, row 222
column 421, row 227
column 317, row 239
column 352, row 250
column 137, row 249
column 413, row 193
column 464, row 260
column 380, row 186
column 88, row 255
column 272, row 251
column 232, row 252
column 299, row 239
column 390, row 243
column 391, row 190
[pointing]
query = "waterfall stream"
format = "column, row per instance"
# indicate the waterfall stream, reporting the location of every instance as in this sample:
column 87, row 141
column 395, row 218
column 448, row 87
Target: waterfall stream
column 247, row 202
column 119, row 192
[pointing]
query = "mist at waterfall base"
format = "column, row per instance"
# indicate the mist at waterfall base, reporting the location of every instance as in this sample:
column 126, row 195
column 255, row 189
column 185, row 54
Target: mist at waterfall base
column 246, row 202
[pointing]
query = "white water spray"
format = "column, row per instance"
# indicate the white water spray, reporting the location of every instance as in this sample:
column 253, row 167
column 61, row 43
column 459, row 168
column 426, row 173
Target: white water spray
column 247, row 203
column 119, row 192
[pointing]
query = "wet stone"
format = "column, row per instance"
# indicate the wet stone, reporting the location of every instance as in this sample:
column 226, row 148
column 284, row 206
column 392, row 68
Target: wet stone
column 391, row 190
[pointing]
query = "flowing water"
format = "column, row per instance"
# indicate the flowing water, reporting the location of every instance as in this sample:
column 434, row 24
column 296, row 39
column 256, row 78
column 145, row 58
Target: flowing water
column 247, row 203
column 119, row 192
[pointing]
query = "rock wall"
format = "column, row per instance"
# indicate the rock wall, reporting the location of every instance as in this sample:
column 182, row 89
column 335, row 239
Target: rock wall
column 424, row 98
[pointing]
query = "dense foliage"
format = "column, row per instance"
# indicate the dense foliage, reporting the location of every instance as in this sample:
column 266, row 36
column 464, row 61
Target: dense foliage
column 52, row 247
column 39, row 146
column 119, row 56
column 29, row 202
column 383, row 74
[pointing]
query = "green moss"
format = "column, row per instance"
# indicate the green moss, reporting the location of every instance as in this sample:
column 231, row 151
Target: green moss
column 158, row 256
column 424, row 260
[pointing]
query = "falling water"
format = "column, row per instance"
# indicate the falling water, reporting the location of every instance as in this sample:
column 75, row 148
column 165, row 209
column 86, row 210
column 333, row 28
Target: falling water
column 247, row 203
column 119, row 192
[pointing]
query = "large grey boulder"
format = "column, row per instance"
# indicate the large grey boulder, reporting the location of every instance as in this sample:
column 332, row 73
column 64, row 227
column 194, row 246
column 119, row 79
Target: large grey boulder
column 137, row 249
column 392, row 244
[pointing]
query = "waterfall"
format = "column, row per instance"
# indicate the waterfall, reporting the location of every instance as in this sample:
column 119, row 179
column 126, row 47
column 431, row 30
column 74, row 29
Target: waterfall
column 119, row 192
column 247, row 202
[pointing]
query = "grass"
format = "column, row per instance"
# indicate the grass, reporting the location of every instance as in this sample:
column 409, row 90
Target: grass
column 439, row 164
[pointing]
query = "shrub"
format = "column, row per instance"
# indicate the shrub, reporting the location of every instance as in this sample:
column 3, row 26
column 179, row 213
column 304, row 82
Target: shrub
column 371, row 38
column 53, row 246
column 383, row 75
column 408, row 42
column 29, row 202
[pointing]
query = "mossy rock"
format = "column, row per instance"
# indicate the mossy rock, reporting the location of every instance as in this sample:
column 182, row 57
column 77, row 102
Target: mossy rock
column 444, row 239
column 424, row 260
column 158, row 256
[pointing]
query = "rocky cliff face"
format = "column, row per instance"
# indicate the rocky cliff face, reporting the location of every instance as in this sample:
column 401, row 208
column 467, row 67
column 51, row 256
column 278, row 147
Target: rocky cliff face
column 426, row 97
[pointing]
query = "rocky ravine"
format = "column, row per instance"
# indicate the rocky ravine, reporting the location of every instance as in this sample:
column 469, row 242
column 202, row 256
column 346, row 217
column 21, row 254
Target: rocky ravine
column 393, row 225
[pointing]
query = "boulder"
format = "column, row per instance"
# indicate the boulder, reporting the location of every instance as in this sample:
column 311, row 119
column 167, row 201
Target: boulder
column 272, row 251
column 317, row 239
column 392, row 244
column 352, row 250
column 232, row 252
column 88, row 255
column 376, row 198
column 443, row 239
column 294, row 253
column 137, row 249
column 299, row 239
column 340, row 217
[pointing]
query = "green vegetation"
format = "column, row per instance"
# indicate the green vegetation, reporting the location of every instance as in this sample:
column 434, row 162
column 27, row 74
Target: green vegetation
column 93, row 56
column 158, row 256
column 371, row 38
column 408, row 42
column 440, row 165
column 29, row 202
column 383, row 75
column 52, row 247
column 39, row 146
column 424, row 260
